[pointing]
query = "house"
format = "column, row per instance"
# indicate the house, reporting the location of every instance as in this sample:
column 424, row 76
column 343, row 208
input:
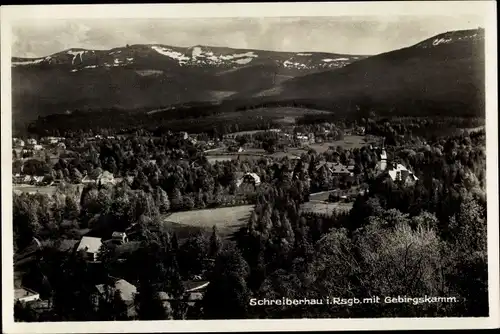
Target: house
column 17, row 142
column 234, row 148
column 301, row 137
column 25, row 295
column 37, row 179
column 127, row 293
column 126, row 289
column 249, row 178
column 105, row 178
column 190, row 297
column 37, row 147
column 195, row 285
column 31, row 141
column 119, row 237
column 61, row 146
column 399, row 173
column 336, row 169
column 88, row 180
column 340, row 170
column 360, row 130
column 305, row 138
column 50, row 140
column 90, row 245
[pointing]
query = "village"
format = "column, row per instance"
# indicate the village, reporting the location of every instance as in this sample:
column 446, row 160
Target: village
column 270, row 145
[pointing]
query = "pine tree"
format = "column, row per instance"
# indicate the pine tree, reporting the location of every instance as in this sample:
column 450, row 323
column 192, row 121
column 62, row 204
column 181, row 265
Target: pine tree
column 227, row 295
column 215, row 244
column 162, row 200
column 148, row 304
column 119, row 308
column 72, row 209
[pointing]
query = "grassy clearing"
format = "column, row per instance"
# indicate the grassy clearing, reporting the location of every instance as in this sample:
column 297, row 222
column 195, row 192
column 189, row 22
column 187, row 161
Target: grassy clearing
column 48, row 190
column 325, row 208
column 322, row 196
column 227, row 220
column 349, row 142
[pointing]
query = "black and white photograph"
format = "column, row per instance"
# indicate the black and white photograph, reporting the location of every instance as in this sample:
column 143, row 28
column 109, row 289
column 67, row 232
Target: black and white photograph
column 163, row 164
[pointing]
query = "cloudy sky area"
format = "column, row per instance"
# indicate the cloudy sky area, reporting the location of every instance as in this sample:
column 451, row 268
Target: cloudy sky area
column 348, row 35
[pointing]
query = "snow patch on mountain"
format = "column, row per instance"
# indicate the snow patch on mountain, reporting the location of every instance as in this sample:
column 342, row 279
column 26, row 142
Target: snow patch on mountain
column 247, row 54
column 196, row 52
column 289, row 64
column 76, row 54
column 182, row 58
column 327, row 60
column 304, row 54
column 243, row 61
column 438, row 41
column 27, row 62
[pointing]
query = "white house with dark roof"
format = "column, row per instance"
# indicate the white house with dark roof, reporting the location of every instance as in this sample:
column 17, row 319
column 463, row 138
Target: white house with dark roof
column 336, row 169
column 400, row 173
column 249, row 178
column 119, row 237
column 91, row 246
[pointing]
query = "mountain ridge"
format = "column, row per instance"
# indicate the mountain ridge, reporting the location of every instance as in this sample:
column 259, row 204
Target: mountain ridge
column 442, row 72
column 446, row 68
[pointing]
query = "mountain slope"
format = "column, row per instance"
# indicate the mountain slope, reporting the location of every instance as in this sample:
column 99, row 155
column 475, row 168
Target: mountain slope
column 151, row 76
column 442, row 74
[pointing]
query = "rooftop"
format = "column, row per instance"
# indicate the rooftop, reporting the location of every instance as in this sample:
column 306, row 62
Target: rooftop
column 195, row 285
column 23, row 292
column 90, row 244
column 127, row 290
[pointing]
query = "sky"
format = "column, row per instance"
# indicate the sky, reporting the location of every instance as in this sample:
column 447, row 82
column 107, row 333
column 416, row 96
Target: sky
column 345, row 35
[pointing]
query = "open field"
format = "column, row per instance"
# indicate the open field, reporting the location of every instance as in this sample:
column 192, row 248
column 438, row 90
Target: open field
column 323, row 195
column 325, row 207
column 46, row 190
column 227, row 220
column 348, row 142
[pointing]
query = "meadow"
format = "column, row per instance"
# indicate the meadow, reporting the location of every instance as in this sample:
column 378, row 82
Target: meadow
column 227, row 220
column 349, row 142
column 325, row 207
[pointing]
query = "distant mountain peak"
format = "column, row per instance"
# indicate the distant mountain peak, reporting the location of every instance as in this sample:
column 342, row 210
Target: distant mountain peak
column 453, row 37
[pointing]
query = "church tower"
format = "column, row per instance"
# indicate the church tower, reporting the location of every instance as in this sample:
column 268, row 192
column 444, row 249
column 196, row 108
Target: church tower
column 383, row 157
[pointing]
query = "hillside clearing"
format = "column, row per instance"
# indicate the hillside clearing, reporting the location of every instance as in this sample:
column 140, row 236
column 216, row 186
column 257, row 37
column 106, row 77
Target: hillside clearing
column 349, row 142
column 227, row 220
column 325, row 207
